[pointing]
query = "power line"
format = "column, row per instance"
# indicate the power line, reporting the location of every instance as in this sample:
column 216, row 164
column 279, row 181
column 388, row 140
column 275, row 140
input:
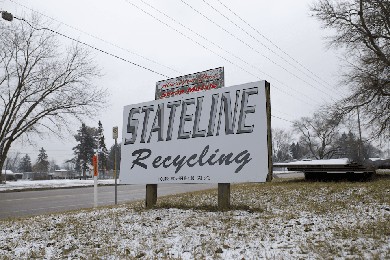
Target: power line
column 216, row 45
column 282, row 119
column 97, row 38
column 143, row 56
column 252, row 48
column 63, row 35
column 203, row 46
column 186, row 36
column 273, row 108
column 107, row 53
column 265, row 46
column 92, row 47
column 276, row 46
column 115, row 56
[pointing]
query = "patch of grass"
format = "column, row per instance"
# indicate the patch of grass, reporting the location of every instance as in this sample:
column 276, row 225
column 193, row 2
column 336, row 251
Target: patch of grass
column 281, row 219
column 361, row 241
column 378, row 230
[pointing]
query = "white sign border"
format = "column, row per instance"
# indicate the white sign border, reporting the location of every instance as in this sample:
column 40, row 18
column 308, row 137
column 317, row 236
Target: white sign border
column 267, row 108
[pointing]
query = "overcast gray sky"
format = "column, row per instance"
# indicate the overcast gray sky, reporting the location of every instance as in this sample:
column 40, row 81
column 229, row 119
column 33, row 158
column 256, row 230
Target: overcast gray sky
column 279, row 43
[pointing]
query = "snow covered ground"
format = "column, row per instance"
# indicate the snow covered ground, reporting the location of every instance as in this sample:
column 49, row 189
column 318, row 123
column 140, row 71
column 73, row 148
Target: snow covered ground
column 28, row 184
column 63, row 183
column 286, row 219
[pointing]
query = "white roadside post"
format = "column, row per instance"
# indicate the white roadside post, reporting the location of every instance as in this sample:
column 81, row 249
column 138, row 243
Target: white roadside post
column 115, row 136
column 95, row 160
column 95, row 175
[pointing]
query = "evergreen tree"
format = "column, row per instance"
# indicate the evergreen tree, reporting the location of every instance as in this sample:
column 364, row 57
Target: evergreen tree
column 350, row 145
column 84, row 150
column 25, row 164
column 103, row 152
column 299, row 151
column 42, row 164
column 111, row 157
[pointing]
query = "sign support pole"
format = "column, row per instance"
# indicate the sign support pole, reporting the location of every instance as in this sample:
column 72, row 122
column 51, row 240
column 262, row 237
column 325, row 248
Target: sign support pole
column 115, row 136
column 151, row 195
column 269, row 133
column 115, row 174
column 223, row 196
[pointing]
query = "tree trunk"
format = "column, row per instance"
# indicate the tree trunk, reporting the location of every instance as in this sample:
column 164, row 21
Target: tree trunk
column 3, row 155
column 1, row 167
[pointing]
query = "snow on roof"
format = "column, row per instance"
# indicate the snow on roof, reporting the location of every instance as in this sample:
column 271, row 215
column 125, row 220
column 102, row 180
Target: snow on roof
column 341, row 161
column 8, row 172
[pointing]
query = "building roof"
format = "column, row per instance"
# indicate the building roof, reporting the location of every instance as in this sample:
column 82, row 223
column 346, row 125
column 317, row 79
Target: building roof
column 8, row 172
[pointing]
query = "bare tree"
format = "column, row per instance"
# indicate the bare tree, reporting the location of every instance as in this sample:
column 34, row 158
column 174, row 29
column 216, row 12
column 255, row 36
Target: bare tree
column 43, row 85
column 363, row 32
column 319, row 134
column 53, row 166
column 69, row 165
column 13, row 161
column 281, row 141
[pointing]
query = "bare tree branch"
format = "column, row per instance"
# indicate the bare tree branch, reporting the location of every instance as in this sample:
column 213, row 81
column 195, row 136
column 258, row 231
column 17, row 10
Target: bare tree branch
column 363, row 31
column 42, row 85
column 319, row 133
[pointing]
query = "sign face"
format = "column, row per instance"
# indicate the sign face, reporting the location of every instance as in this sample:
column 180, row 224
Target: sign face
column 95, row 165
column 205, row 80
column 217, row 136
column 115, row 132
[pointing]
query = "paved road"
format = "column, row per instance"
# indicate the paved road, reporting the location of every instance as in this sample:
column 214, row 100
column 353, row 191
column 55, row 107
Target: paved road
column 28, row 203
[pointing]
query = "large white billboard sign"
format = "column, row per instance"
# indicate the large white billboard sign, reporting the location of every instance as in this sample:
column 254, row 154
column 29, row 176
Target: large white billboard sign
column 216, row 136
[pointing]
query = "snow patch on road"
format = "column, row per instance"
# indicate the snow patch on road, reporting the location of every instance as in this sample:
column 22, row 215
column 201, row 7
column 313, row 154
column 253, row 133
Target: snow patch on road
column 39, row 184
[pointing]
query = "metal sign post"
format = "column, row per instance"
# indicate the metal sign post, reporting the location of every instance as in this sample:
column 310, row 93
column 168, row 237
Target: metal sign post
column 115, row 136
